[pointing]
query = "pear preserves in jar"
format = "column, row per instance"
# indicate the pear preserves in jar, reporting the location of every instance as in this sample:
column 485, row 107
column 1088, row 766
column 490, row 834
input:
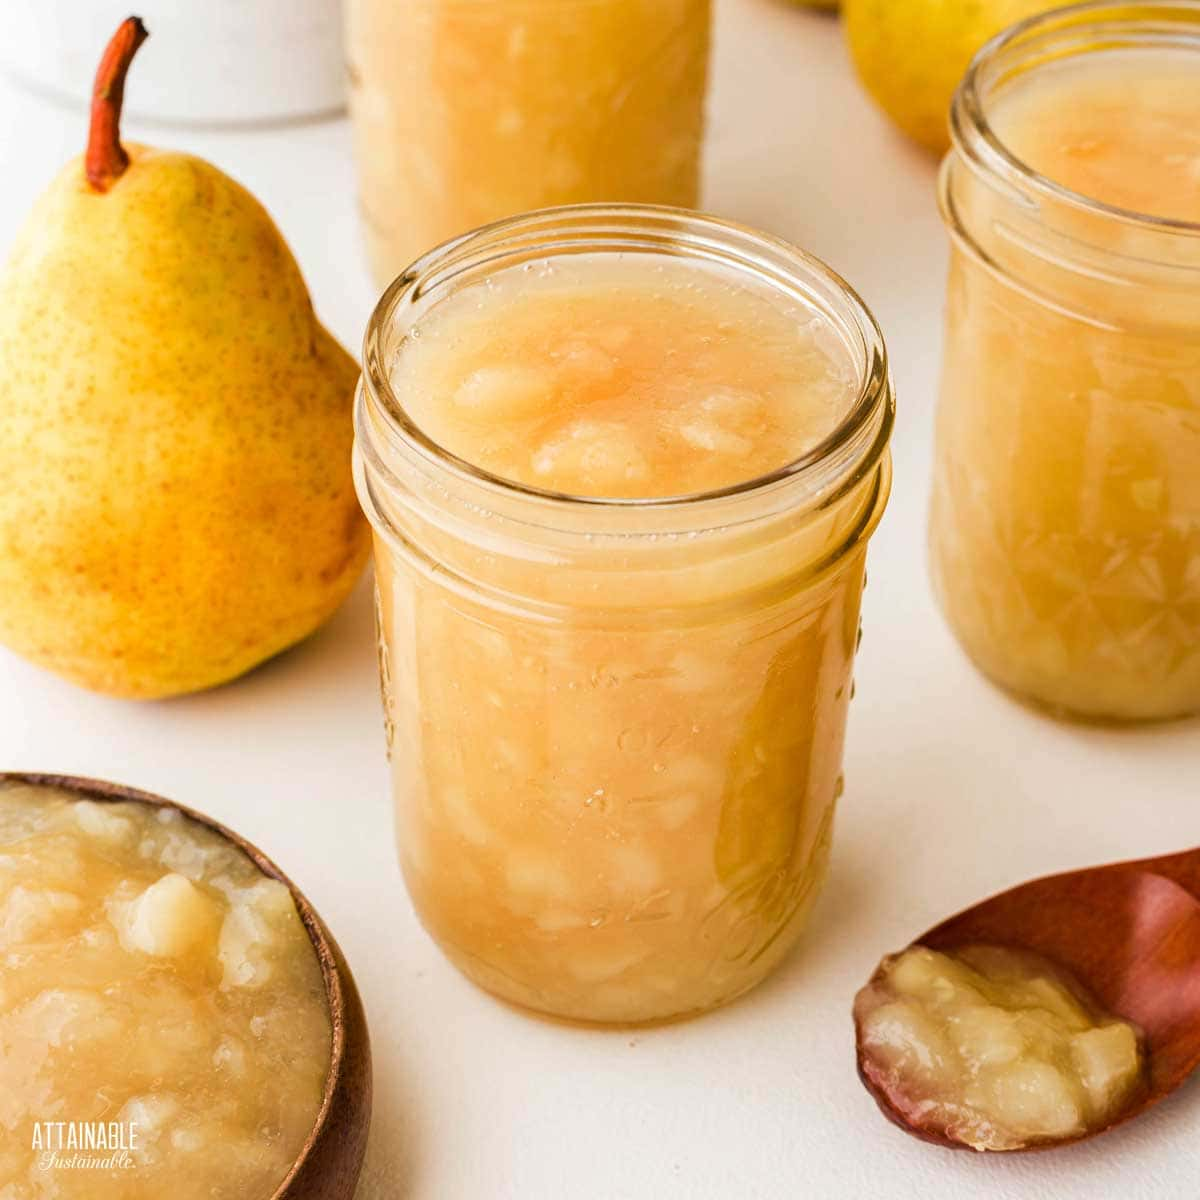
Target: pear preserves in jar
column 466, row 111
column 1065, row 530
column 622, row 465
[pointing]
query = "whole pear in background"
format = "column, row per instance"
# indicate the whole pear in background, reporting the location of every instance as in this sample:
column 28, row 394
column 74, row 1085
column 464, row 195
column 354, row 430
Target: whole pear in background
column 175, row 425
column 911, row 54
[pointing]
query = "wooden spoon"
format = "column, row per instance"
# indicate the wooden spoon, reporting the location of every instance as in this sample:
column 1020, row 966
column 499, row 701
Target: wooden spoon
column 1129, row 932
column 330, row 1160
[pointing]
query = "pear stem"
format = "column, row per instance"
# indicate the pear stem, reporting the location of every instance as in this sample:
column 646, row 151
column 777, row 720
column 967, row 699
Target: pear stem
column 106, row 159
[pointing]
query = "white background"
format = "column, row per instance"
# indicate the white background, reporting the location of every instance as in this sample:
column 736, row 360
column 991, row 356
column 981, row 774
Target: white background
column 953, row 791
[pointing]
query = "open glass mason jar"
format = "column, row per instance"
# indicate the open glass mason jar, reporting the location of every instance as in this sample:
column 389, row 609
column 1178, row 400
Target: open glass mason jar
column 616, row 725
column 467, row 111
column 1065, row 529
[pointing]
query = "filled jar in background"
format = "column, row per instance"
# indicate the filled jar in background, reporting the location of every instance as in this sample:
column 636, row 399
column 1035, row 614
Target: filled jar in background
column 622, row 465
column 467, row 111
column 1065, row 528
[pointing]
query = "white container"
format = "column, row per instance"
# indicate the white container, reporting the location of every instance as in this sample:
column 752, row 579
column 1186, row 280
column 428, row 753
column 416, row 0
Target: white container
column 227, row 61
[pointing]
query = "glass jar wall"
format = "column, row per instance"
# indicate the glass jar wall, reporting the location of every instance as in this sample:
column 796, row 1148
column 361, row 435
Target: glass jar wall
column 467, row 111
column 616, row 725
column 1065, row 527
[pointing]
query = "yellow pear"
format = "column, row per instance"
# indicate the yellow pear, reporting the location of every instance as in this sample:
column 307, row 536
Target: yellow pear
column 175, row 425
column 911, row 54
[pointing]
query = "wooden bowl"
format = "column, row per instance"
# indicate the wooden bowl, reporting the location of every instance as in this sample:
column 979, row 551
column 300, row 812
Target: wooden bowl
column 331, row 1158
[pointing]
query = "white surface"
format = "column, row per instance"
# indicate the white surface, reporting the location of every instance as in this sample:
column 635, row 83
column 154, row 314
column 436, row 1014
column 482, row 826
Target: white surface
column 213, row 60
column 953, row 791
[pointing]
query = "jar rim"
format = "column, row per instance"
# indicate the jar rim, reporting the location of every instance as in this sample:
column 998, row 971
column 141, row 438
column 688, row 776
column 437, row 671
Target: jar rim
column 975, row 139
column 844, row 456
